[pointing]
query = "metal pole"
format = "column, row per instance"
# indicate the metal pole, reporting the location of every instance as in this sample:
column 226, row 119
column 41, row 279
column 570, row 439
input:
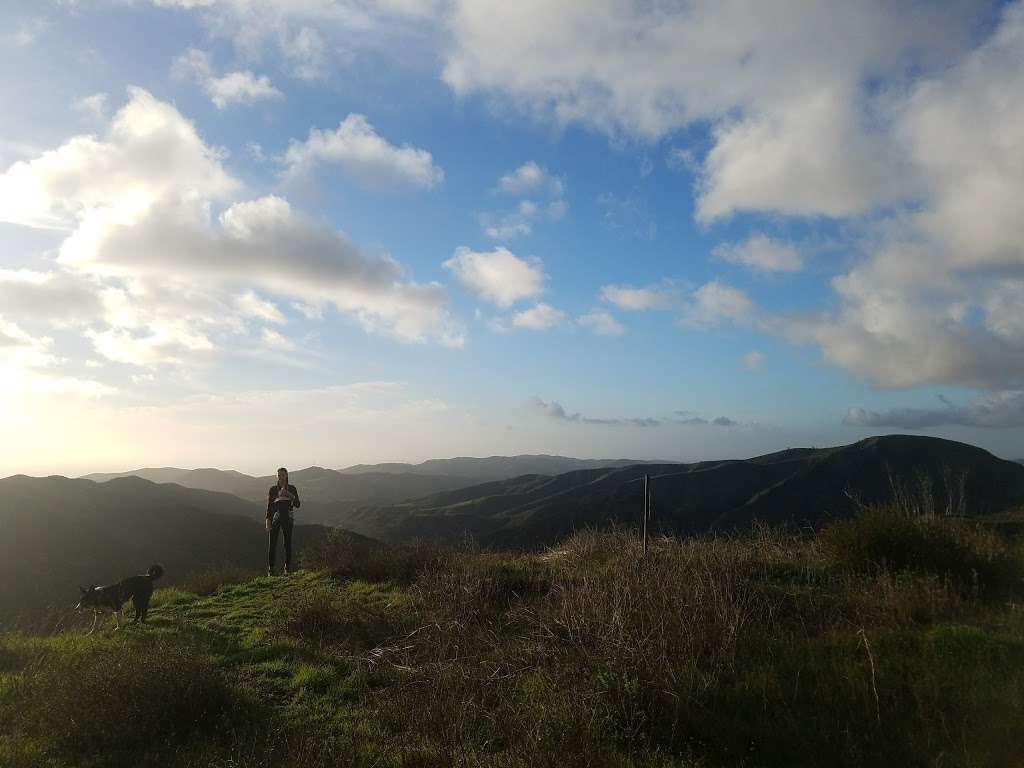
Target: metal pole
column 647, row 481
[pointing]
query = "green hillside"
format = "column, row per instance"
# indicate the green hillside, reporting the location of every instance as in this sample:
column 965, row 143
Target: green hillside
column 887, row 640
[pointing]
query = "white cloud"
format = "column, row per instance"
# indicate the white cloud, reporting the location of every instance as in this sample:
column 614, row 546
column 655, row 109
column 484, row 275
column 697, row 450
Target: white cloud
column 365, row 156
column 1001, row 410
column 761, row 253
column 93, row 106
column 510, row 225
column 540, row 317
column 909, row 313
column 240, row 87
column 497, row 276
column 530, row 179
column 276, row 341
column 753, row 360
column 788, row 136
column 27, row 365
column 663, row 296
column 27, row 31
column 601, row 322
column 716, row 302
column 162, row 279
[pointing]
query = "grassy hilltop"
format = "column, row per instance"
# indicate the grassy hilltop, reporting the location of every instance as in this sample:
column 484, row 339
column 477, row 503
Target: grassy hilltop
column 884, row 640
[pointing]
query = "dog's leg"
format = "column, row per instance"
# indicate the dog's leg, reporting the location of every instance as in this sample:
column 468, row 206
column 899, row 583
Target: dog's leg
column 117, row 623
column 95, row 618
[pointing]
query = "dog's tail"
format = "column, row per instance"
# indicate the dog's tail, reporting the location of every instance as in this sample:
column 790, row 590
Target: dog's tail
column 155, row 572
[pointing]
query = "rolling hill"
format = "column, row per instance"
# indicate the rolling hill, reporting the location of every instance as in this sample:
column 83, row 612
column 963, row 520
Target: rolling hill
column 60, row 533
column 797, row 487
column 328, row 496
column 486, row 469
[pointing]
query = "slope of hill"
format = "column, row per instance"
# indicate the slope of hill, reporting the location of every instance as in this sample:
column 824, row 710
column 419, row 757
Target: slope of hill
column 761, row 650
column 480, row 470
column 59, row 533
column 802, row 487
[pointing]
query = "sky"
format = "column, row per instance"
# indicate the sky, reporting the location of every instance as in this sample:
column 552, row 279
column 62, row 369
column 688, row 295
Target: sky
column 246, row 233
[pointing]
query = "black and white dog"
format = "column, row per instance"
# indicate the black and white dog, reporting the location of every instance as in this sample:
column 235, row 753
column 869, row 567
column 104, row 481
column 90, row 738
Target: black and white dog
column 113, row 597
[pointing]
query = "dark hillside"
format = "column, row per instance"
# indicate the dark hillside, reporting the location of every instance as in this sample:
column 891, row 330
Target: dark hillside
column 795, row 486
column 60, row 533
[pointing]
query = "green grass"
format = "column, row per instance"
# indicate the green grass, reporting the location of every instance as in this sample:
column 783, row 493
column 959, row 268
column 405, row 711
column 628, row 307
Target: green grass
column 763, row 650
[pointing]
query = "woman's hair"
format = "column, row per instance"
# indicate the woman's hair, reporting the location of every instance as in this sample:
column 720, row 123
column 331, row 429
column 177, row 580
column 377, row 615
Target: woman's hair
column 282, row 469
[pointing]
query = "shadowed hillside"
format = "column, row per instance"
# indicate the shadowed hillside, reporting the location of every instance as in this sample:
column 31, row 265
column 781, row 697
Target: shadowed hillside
column 60, row 533
column 797, row 487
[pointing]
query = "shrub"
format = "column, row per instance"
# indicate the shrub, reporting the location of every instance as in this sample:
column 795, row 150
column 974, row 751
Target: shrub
column 883, row 539
column 348, row 556
column 334, row 618
column 98, row 698
column 477, row 585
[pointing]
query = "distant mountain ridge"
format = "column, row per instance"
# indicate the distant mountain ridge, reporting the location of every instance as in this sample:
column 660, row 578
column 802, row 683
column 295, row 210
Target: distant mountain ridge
column 493, row 467
column 796, row 486
column 330, row 496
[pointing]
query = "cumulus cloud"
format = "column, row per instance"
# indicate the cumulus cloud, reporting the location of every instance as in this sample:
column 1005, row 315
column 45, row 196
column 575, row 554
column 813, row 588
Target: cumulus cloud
column 716, row 302
column 663, row 296
column 530, row 179
column 601, row 322
column 937, row 297
column 761, row 253
column 240, row 87
column 540, row 317
column 93, row 106
column 497, row 276
column 164, row 278
column 753, row 360
column 542, row 193
column 998, row 410
column 511, row 224
column 786, row 135
column 364, row 155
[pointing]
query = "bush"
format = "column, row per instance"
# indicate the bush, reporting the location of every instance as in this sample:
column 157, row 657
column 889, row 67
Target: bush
column 883, row 539
column 209, row 580
column 98, row 698
column 332, row 618
column 349, row 556
column 475, row 585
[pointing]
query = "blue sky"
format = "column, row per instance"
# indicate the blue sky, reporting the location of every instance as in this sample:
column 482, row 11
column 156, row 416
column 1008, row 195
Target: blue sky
column 345, row 231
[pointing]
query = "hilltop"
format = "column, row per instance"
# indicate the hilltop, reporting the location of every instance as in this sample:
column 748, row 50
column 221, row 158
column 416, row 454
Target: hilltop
column 764, row 650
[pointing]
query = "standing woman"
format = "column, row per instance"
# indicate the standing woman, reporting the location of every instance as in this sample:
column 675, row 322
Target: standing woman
column 281, row 499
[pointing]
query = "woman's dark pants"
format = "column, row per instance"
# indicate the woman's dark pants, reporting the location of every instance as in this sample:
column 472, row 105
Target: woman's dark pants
column 283, row 523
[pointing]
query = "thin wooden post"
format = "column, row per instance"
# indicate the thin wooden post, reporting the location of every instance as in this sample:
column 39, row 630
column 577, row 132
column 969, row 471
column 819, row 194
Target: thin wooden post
column 647, row 496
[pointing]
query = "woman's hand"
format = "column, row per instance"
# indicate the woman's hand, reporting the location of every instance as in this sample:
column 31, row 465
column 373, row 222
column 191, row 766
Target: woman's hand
column 268, row 525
